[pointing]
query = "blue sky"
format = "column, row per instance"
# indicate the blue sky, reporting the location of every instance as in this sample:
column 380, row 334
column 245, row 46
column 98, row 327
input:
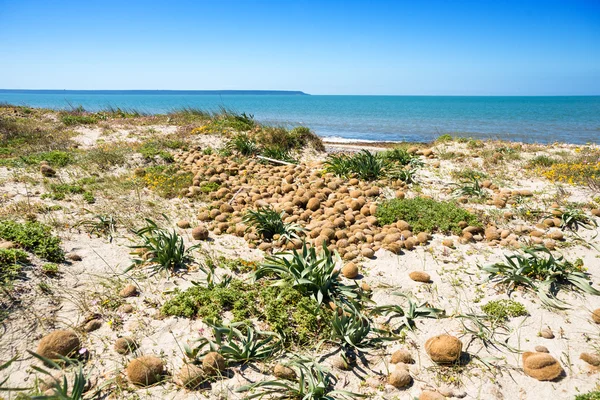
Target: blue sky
column 321, row 47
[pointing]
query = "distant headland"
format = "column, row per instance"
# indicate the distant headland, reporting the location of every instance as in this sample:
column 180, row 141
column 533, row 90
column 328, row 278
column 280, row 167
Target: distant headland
column 186, row 92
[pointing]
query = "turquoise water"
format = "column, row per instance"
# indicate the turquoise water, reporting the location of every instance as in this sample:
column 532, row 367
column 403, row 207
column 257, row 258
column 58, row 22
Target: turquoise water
column 379, row 118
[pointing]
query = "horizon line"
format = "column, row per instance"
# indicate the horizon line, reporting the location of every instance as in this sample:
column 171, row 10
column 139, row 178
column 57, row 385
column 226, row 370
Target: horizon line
column 295, row 92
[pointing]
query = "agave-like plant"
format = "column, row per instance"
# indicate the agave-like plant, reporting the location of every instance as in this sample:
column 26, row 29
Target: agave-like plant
column 573, row 219
column 243, row 144
column 470, row 188
column 353, row 330
column 60, row 388
column 164, row 249
column 310, row 272
column 338, row 164
column 402, row 173
column 269, row 223
column 235, row 345
column 538, row 270
column 313, row 383
column 407, row 316
column 368, row 166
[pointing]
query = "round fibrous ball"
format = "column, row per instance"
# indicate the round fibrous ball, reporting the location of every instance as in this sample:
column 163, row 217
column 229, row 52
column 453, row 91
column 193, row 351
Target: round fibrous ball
column 350, row 270
column 399, row 378
column 420, row 276
column 200, row 233
column 183, row 224
column 59, row 343
column 145, row 370
column 596, row 315
column 213, row 363
column 190, row 376
column 430, row 395
column 443, row 349
column 128, row 291
column 591, row 358
column 401, row 356
column 283, row 372
column 541, row 366
column 125, row 345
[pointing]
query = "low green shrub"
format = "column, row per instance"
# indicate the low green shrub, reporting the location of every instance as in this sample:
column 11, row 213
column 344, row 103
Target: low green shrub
column 209, row 187
column 167, row 180
column 76, row 119
column 595, row 395
column 425, row 215
column 282, row 308
column 501, row 310
column 34, row 237
column 152, row 149
column 11, row 261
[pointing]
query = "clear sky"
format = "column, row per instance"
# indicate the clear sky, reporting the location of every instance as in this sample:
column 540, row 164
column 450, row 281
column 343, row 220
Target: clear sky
column 320, row 47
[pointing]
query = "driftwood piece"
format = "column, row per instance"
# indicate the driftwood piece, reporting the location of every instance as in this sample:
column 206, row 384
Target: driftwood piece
column 275, row 161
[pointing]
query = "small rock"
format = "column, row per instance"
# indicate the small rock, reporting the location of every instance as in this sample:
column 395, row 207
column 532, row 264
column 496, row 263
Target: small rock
column 591, row 358
column 128, row 291
column 420, row 276
column 399, row 378
column 125, row 345
column 402, row 356
column 183, row 224
column 145, row 370
column 541, row 366
column 542, row 349
column 73, row 257
column 283, row 372
column 93, row 325
column 596, row 212
column 350, row 270
column 443, row 349
column 547, row 333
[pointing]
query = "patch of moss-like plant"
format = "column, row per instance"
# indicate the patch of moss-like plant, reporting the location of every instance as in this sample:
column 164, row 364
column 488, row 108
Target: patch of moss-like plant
column 209, row 187
column 425, row 215
column 11, row 261
column 34, row 237
column 595, row 395
column 501, row 310
column 284, row 309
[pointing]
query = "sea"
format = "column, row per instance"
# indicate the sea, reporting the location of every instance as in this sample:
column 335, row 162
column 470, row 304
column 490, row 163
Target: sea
column 530, row 119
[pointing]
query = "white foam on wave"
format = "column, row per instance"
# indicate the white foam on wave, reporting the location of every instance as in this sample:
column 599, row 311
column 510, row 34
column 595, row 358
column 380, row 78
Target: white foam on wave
column 339, row 139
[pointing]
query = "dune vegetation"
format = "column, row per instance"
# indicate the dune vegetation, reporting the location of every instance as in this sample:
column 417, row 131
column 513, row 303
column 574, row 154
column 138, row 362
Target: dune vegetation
column 203, row 254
